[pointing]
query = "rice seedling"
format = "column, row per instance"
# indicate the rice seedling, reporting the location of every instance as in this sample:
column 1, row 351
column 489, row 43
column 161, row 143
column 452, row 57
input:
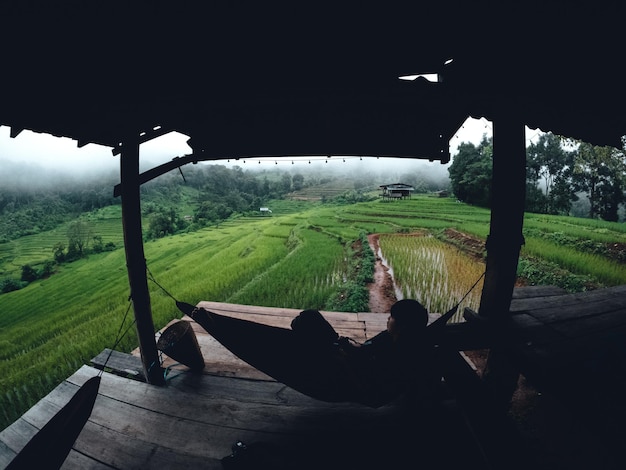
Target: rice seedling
column 431, row 271
column 606, row 271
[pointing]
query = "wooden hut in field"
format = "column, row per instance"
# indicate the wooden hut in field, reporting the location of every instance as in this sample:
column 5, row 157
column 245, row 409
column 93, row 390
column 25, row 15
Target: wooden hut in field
column 396, row 191
column 318, row 78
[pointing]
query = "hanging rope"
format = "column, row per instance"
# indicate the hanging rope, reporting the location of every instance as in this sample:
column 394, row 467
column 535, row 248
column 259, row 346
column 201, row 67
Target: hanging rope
column 151, row 277
column 119, row 337
column 443, row 319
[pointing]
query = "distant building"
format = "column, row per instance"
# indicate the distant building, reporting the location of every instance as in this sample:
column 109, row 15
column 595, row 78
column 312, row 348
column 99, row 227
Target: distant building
column 396, row 191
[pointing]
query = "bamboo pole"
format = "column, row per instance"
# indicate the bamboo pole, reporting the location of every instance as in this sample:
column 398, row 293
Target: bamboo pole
column 135, row 261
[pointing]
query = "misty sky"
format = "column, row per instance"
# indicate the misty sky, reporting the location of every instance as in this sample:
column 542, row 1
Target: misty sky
column 63, row 154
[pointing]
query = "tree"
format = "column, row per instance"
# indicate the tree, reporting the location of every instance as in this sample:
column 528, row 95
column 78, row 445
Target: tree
column 286, row 181
column 297, row 181
column 600, row 172
column 471, row 172
column 548, row 163
column 78, row 236
column 29, row 274
column 59, row 252
column 163, row 222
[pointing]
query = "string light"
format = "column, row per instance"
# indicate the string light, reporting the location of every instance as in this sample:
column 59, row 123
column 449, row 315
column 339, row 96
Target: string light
column 303, row 159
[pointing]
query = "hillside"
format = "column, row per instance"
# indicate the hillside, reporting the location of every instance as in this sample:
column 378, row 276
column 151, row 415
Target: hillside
column 302, row 256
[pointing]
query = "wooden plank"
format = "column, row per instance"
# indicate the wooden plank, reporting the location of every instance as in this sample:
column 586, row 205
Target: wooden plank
column 227, row 309
column 568, row 353
column 526, row 331
column 586, row 325
column 566, row 301
column 78, row 461
column 119, row 363
column 537, row 291
column 193, row 425
column 122, row 450
column 16, row 435
column 146, row 421
column 6, row 454
column 207, row 392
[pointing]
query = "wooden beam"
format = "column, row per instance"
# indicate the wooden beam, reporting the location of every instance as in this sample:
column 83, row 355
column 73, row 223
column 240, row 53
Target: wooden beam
column 136, row 263
column 508, row 195
column 155, row 172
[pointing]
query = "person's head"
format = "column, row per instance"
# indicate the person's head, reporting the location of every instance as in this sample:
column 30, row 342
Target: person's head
column 408, row 317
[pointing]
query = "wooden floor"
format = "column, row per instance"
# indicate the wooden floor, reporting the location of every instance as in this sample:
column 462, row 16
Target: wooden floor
column 560, row 341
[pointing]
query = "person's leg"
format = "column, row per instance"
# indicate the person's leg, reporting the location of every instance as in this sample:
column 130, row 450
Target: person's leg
column 309, row 364
column 311, row 326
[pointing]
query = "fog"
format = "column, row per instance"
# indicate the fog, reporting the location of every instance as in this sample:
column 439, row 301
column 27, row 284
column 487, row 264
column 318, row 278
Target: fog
column 32, row 158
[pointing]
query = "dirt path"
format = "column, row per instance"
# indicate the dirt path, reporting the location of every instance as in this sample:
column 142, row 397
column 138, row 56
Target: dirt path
column 382, row 294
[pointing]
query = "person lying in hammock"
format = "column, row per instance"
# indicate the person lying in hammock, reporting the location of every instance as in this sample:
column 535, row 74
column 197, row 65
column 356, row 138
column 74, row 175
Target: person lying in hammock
column 312, row 358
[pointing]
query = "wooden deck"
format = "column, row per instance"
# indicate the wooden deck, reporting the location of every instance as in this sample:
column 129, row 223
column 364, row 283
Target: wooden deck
column 571, row 346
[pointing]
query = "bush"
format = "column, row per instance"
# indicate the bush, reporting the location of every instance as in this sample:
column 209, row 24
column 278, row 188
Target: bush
column 29, row 274
column 9, row 285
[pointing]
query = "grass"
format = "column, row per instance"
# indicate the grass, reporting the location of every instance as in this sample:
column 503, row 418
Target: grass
column 295, row 258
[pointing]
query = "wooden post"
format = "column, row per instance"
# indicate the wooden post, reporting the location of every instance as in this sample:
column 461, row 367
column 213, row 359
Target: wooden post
column 508, row 195
column 135, row 261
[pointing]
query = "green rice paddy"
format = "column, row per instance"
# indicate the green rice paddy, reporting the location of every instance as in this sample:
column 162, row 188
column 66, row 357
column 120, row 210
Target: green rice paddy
column 296, row 258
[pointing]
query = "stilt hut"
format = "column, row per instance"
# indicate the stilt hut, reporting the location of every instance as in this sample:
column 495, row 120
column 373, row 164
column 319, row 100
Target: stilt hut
column 315, row 78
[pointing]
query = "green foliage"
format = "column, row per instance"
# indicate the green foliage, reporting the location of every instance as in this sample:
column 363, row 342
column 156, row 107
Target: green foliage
column 353, row 295
column 539, row 272
column 470, row 173
column 32, row 209
column 29, row 274
column 548, row 162
column 351, row 196
column 10, row 285
column 600, row 172
column 163, row 222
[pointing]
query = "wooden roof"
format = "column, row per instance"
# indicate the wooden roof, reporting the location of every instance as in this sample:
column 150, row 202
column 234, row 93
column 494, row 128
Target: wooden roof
column 258, row 78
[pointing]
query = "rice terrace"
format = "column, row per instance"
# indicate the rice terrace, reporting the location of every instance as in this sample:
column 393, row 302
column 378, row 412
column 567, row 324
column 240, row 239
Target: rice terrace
column 305, row 255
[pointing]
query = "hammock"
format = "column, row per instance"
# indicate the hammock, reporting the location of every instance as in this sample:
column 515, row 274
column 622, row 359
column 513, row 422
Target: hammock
column 317, row 370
